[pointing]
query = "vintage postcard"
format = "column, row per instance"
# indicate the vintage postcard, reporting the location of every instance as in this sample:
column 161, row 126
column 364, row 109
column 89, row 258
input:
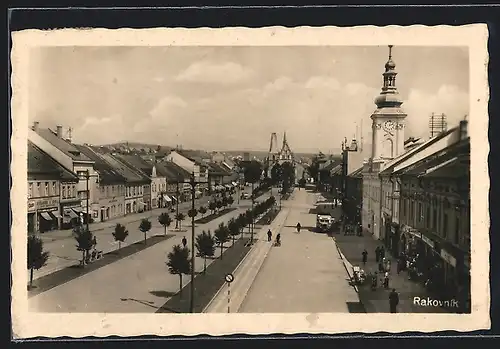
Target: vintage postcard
column 258, row 181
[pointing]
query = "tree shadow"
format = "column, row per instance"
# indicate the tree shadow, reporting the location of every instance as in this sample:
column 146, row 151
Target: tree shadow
column 165, row 294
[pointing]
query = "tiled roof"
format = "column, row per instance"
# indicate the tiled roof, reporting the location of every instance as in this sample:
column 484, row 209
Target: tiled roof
column 130, row 174
column 137, row 162
column 40, row 163
column 107, row 174
column 357, row 173
column 175, row 170
column 62, row 144
column 218, row 170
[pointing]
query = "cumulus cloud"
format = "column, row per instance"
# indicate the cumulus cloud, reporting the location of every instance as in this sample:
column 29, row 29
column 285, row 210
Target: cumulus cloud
column 222, row 73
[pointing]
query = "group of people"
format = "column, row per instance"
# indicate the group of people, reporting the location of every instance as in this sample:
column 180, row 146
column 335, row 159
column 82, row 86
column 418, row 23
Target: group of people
column 384, row 268
column 278, row 236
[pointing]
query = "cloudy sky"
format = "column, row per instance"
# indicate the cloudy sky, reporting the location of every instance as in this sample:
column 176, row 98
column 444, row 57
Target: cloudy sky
column 221, row 98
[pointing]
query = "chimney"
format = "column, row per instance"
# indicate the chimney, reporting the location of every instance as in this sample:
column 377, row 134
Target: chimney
column 463, row 129
column 35, row 126
column 59, row 131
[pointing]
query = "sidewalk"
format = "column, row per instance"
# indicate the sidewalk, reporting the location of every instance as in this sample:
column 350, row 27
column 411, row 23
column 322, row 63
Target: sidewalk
column 378, row 300
column 130, row 218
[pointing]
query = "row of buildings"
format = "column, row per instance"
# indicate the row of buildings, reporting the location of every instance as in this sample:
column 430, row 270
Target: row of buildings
column 70, row 182
column 411, row 194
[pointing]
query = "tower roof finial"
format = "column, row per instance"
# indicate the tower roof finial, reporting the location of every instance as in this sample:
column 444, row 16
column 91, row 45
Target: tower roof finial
column 390, row 51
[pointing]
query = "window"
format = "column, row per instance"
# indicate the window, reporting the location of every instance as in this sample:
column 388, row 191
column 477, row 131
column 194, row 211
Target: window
column 64, row 192
column 412, row 211
column 74, row 190
column 428, row 217
column 30, row 190
column 404, row 208
column 54, row 188
column 420, row 212
column 133, row 191
column 46, row 189
column 457, row 230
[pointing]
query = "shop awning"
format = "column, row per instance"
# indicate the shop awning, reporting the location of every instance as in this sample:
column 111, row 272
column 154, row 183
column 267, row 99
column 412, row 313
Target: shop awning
column 198, row 192
column 77, row 209
column 234, row 184
column 56, row 214
column 174, row 198
column 71, row 213
column 167, row 198
column 46, row 216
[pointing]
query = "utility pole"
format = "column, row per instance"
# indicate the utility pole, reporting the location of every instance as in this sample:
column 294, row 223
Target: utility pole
column 88, row 194
column 252, row 224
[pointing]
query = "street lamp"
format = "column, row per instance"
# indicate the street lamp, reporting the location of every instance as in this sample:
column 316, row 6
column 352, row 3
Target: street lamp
column 353, row 147
column 87, row 177
column 193, row 185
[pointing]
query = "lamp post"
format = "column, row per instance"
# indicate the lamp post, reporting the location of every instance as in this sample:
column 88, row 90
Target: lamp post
column 345, row 151
column 177, row 205
column 193, row 185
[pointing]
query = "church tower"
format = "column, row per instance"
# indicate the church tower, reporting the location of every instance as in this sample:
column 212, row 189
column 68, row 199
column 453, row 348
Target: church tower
column 285, row 153
column 388, row 120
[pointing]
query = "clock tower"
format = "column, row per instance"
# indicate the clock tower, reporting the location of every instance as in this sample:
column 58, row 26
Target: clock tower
column 389, row 118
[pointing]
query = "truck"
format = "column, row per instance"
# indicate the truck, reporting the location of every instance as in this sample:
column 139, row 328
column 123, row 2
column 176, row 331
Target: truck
column 325, row 220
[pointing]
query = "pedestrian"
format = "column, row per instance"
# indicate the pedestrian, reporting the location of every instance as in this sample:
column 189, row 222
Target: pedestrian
column 382, row 252
column 365, row 256
column 278, row 239
column 380, row 267
column 399, row 265
column 393, row 301
column 269, row 235
column 386, row 280
column 184, row 242
column 377, row 254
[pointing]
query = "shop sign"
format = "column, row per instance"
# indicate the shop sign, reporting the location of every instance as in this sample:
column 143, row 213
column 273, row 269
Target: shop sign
column 448, row 258
column 42, row 204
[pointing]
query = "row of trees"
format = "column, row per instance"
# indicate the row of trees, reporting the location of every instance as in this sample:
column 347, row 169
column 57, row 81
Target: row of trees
column 284, row 174
column 178, row 260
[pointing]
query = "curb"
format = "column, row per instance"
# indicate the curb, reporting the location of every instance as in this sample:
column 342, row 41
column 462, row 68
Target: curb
column 342, row 257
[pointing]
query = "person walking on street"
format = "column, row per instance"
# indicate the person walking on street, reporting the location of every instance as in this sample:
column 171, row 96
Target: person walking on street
column 393, row 301
column 298, row 227
column 269, row 235
column 278, row 239
column 377, row 254
column 382, row 252
column 184, row 242
column 365, row 256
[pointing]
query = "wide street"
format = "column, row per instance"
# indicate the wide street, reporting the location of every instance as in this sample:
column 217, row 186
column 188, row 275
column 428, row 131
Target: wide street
column 139, row 283
column 304, row 274
column 61, row 245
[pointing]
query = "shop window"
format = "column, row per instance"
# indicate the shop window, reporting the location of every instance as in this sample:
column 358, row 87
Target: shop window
column 64, row 192
column 30, row 190
column 420, row 212
column 428, row 217
column 54, row 188
column 74, row 190
column 46, row 189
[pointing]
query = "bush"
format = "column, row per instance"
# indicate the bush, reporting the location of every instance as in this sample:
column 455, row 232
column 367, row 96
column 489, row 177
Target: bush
column 179, row 218
column 202, row 210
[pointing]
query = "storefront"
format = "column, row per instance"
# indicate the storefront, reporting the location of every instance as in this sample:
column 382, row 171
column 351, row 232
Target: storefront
column 43, row 215
column 70, row 214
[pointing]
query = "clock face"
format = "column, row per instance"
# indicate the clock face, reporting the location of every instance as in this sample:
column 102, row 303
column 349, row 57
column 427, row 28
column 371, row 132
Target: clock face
column 389, row 125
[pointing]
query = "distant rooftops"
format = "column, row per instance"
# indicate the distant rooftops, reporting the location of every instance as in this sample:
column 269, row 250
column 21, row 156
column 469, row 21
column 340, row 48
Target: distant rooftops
column 62, row 144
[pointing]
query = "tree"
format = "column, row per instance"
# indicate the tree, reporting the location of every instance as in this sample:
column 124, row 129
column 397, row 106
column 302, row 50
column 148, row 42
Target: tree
column 85, row 241
column 192, row 212
column 179, row 263
column 37, row 257
column 219, row 204
column 252, row 171
column 221, row 236
column 230, row 200
column 179, row 218
column 276, row 173
column 241, row 222
column 120, row 234
column 212, row 206
column 224, row 202
column 233, row 227
column 145, row 226
column 202, row 210
column 205, row 244
column 165, row 220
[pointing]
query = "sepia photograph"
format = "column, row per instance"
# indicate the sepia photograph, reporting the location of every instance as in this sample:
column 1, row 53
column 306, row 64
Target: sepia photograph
column 246, row 179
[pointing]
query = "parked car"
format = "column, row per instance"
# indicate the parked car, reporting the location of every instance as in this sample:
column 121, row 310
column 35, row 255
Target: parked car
column 245, row 196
